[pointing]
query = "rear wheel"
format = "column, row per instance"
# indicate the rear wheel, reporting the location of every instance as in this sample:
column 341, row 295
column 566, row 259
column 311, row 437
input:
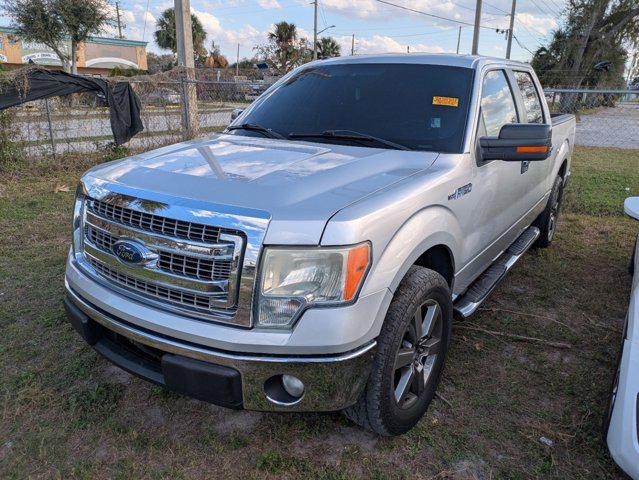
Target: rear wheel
column 547, row 220
column 410, row 357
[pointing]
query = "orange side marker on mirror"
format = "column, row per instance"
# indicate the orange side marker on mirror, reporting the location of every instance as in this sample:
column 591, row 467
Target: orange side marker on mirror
column 542, row 149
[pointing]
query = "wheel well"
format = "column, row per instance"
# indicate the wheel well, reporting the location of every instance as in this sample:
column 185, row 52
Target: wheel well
column 439, row 259
column 562, row 169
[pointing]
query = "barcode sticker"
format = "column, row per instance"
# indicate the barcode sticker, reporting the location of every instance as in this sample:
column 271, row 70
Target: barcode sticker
column 446, row 101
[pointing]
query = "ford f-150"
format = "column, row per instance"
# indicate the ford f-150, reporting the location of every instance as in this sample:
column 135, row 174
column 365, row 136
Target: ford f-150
column 313, row 256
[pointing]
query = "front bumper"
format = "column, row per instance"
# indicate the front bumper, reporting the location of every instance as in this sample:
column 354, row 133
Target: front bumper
column 224, row 378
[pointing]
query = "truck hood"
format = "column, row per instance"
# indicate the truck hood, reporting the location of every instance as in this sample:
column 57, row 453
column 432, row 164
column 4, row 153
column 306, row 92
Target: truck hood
column 298, row 185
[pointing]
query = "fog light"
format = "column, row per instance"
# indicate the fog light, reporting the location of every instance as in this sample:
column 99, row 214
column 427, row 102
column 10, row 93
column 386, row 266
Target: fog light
column 293, row 386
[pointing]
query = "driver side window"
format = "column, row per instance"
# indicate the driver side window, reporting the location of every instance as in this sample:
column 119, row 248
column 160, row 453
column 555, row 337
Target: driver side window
column 497, row 104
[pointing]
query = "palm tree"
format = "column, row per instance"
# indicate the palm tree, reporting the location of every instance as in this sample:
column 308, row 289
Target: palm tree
column 286, row 52
column 165, row 35
column 284, row 34
column 328, row 47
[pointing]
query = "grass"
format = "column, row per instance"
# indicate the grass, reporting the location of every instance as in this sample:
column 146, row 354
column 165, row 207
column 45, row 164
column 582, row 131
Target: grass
column 67, row 413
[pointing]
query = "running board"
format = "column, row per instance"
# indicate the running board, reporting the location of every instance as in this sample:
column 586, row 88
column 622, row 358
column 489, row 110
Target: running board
column 478, row 292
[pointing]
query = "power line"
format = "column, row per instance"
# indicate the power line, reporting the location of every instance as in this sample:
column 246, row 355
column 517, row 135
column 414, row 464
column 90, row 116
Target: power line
column 522, row 45
column 496, row 8
column 459, row 22
column 544, row 12
column 550, row 7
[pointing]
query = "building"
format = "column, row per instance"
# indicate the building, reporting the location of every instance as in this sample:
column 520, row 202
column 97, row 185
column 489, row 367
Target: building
column 95, row 57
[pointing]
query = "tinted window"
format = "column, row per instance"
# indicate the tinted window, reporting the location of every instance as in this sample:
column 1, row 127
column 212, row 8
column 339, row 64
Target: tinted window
column 497, row 104
column 423, row 107
column 532, row 104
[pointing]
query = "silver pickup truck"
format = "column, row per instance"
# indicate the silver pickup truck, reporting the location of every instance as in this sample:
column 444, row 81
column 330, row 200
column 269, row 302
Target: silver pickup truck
column 313, row 256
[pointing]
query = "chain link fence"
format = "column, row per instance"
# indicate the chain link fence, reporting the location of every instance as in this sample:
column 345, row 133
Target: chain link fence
column 605, row 118
column 79, row 124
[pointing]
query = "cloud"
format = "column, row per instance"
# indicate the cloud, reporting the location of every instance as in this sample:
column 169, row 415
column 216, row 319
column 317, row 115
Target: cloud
column 269, row 4
column 133, row 23
column 383, row 44
column 227, row 39
column 539, row 24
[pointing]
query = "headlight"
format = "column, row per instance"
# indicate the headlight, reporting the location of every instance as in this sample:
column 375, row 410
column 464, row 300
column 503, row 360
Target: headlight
column 78, row 207
column 293, row 279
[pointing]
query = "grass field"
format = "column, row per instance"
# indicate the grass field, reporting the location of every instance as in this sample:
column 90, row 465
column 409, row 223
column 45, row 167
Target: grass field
column 67, row 413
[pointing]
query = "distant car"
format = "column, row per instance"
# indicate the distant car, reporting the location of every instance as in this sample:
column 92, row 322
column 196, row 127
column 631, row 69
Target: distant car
column 622, row 422
column 162, row 97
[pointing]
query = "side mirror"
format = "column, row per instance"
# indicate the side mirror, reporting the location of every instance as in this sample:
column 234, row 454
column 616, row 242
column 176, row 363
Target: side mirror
column 236, row 113
column 631, row 207
column 518, row 142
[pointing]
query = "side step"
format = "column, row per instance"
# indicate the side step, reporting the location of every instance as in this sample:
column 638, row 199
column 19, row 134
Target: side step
column 478, row 292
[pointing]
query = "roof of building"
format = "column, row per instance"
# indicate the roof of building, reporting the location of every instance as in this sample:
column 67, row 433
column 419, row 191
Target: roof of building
column 104, row 40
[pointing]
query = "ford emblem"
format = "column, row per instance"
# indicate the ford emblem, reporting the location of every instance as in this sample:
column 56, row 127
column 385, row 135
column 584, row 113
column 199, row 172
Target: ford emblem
column 132, row 253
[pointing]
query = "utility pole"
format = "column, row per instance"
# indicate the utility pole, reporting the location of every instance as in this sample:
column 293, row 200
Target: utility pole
column 315, row 29
column 353, row 45
column 117, row 13
column 237, row 63
column 458, row 39
column 510, row 29
column 184, row 34
column 476, row 29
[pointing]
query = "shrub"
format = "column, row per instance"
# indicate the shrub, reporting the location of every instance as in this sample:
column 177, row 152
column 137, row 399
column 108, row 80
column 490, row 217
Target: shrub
column 11, row 152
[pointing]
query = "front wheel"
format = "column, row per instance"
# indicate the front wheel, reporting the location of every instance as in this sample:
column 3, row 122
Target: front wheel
column 410, row 357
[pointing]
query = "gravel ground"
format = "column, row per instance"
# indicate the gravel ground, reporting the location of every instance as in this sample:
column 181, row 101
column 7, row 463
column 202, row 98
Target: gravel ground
column 611, row 127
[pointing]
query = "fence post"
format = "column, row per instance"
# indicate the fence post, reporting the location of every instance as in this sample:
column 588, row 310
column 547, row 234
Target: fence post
column 190, row 120
column 46, row 104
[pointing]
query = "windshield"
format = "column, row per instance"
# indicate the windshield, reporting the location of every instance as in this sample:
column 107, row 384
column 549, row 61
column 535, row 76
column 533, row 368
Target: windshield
column 422, row 107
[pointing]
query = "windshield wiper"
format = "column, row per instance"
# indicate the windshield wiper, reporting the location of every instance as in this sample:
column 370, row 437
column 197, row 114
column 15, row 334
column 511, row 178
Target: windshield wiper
column 253, row 127
column 350, row 135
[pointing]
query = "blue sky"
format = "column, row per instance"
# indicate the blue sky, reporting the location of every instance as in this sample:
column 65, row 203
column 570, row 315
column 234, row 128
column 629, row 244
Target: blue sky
column 378, row 28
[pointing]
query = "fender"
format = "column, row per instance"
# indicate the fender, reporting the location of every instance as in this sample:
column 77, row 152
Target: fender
column 562, row 155
column 409, row 243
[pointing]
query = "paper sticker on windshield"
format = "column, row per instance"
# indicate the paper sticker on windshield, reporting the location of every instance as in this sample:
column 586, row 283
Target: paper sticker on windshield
column 446, row 101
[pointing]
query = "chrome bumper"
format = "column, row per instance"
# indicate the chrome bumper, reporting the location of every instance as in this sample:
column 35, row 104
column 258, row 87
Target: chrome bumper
column 331, row 382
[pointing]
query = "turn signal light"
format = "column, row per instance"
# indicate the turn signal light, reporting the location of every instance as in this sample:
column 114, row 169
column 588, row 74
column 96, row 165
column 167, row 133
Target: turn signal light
column 358, row 259
column 542, row 149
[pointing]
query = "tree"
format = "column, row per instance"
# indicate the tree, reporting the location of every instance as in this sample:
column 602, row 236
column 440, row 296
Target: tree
column 166, row 37
column 595, row 31
column 54, row 22
column 283, row 51
column 160, row 63
column 81, row 19
column 328, row 47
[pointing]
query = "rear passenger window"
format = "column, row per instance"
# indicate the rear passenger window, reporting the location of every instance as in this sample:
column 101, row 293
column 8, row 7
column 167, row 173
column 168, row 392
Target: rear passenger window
column 532, row 104
column 497, row 104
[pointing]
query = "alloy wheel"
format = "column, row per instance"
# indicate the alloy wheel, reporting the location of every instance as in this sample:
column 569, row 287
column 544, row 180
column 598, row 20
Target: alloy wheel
column 417, row 354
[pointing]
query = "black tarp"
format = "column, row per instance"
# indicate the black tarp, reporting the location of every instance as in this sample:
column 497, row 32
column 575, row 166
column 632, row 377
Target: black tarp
column 124, row 104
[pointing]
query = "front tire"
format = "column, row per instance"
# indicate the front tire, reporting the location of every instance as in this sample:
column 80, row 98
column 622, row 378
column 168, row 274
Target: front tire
column 410, row 358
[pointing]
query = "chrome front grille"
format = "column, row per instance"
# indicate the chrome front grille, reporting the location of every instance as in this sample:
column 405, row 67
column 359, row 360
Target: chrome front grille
column 168, row 294
column 155, row 223
column 175, row 263
column 194, row 268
